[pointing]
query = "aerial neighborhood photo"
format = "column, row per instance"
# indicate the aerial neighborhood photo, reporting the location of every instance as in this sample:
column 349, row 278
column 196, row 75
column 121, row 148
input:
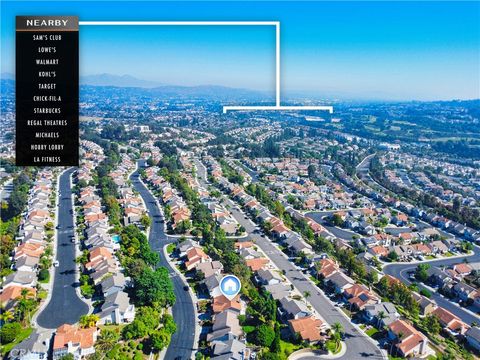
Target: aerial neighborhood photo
column 224, row 206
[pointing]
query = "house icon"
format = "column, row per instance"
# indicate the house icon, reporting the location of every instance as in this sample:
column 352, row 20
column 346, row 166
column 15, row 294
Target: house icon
column 230, row 286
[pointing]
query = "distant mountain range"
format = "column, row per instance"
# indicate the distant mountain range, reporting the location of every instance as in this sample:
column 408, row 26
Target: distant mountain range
column 117, row 80
column 217, row 91
column 105, row 80
column 154, row 87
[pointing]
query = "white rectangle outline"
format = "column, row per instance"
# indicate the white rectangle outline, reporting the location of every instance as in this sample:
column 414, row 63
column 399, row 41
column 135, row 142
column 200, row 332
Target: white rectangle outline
column 278, row 106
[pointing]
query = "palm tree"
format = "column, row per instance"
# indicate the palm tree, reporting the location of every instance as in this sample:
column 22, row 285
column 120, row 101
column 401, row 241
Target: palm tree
column 45, row 262
column 25, row 306
column 6, row 316
column 396, row 342
column 306, row 295
column 107, row 340
column 318, row 268
column 88, row 321
column 336, row 333
column 380, row 316
column 337, row 327
column 337, row 338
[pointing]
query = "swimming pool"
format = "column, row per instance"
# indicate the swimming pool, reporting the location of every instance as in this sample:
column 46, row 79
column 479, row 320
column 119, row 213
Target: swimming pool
column 116, row 239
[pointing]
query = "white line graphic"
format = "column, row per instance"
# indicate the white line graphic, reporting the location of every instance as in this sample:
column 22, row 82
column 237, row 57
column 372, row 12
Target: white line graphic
column 277, row 106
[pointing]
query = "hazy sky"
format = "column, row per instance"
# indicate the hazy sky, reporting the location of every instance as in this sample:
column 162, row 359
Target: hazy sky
column 391, row 50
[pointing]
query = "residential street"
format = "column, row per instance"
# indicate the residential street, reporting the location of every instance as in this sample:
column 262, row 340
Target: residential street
column 318, row 216
column 359, row 345
column 64, row 306
column 182, row 342
column 400, row 271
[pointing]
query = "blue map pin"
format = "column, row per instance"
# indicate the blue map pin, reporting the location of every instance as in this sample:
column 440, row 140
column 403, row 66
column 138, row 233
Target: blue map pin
column 230, row 286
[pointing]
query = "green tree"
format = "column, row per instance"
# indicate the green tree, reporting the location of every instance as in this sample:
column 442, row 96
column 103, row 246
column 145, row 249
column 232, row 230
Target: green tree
column 372, row 276
column 135, row 330
column 146, row 221
column 107, row 340
column 43, row 275
column 271, row 356
column 264, row 335
column 154, row 287
column 169, row 324
column 67, row 357
column 276, row 343
column 9, row 332
column 431, row 324
column 392, row 256
column 6, row 316
column 160, row 339
column 25, row 307
column 337, row 327
column 89, row 320
column 421, row 273
column 337, row 220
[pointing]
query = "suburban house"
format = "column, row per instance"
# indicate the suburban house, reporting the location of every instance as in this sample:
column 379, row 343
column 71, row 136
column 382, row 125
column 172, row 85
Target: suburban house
column 426, row 306
column 308, row 328
column 381, row 314
column 411, row 342
column 221, row 303
column 117, row 309
column 292, row 309
column 113, row 283
column 225, row 326
column 267, row 277
column 358, row 296
column 450, row 322
column 473, row 337
column 35, row 347
column 464, row 291
column 231, row 349
column 195, row 256
column 10, row 296
column 278, row 291
column 210, row 268
column 70, row 339
column 339, row 281
column 26, row 279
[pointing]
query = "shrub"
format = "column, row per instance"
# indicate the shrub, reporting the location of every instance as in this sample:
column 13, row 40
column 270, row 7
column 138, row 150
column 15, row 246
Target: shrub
column 426, row 293
column 87, row 290
column 43, row 275
column 9, row 332
column 263, row 335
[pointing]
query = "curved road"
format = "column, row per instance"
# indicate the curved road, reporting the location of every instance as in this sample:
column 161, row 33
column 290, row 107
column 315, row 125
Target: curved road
column 319, row 216
column 64, row 307
column 182, row 342
column 359, row 345
column 400, row 271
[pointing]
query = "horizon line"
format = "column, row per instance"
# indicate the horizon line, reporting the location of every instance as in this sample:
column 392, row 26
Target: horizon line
column 291, row 93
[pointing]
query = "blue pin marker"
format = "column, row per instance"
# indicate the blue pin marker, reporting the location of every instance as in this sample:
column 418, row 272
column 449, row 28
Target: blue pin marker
column 230, row 286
